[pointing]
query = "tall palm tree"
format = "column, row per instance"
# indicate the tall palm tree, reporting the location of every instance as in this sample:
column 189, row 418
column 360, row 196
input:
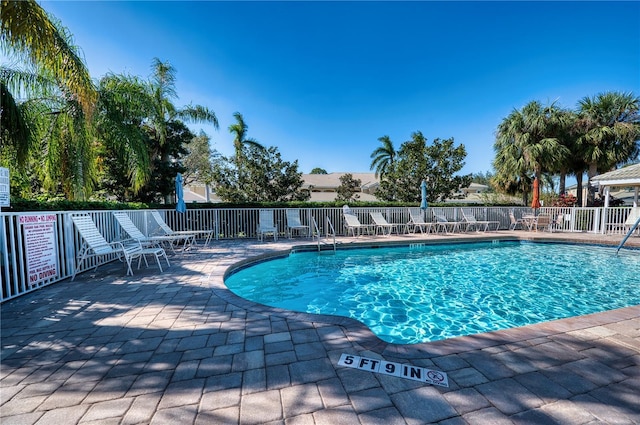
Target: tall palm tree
column 48, row 71
column 54, row 120
column 162, row 91
column 122, row 107
column 383, row 156
column 27, row 31
column 239, row 130
column 135, row 117
column 609, row 128
column 162, row 110
column 527, row 141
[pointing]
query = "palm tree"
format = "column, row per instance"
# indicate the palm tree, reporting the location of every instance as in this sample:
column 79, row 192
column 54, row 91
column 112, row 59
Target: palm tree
column 609, row 129
column 51, row 76
column 163, row 111
column 383, row 156
column 161, row 92
column 135, row 119
column 54, row 121
column 527, row 142
column 122, row 108
column 239, row 130
column 27, row 31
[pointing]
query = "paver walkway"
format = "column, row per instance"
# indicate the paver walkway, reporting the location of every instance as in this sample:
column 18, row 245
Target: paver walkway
column 178, row 348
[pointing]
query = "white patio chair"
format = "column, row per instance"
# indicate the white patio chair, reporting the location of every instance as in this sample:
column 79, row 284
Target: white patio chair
column 294, row 223
column 515, row 222
column 544, row 222
column 188, row 235
column 266, row 225
column 446, row 225
column 353, row 225
column 94, row 244
column 470, row 218
column 417, row 221
column 381, row 224
column 136, row 234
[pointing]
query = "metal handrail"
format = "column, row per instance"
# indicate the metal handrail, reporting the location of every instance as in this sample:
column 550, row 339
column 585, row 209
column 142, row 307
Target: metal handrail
column 631, row 230
column 329, row 225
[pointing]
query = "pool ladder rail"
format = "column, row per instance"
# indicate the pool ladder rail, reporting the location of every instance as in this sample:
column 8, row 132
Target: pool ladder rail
column 631, row 230
column 330, row 234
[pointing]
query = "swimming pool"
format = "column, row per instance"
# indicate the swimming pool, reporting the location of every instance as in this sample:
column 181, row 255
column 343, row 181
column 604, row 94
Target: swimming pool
column 423, row 293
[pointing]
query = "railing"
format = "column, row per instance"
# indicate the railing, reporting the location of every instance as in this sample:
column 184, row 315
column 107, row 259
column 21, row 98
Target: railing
column 629, row 233
column 40, row 248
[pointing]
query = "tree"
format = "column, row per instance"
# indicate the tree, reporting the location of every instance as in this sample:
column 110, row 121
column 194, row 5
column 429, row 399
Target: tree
column 46, row 134
column 482, row 178
column 262, row 176
column 122, row 108
column 27, row 31
column 527, row 142
column 383, row 156
column 571, row 163
column 159, row 186
column 135, row 120
column 609, row 128
column 163, row 111
column 198, row 160
column 318, row 170
column 415, row 161
column 239, row 130
column 348, row 189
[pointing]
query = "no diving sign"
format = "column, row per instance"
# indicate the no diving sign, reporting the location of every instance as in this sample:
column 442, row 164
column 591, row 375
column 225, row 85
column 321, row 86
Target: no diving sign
column 415, row 373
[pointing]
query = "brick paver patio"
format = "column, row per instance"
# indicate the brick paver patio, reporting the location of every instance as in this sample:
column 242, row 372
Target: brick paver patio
column 178, row 348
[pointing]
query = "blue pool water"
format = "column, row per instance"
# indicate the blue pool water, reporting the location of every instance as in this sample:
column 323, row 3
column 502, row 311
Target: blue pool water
column 410, row 295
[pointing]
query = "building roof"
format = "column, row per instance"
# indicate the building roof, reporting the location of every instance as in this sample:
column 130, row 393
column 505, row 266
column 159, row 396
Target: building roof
column 625, row 176
column 332, row 180
column 331, row 196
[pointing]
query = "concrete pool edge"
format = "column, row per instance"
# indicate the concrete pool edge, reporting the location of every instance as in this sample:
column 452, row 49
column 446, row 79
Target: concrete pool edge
column 358, row 333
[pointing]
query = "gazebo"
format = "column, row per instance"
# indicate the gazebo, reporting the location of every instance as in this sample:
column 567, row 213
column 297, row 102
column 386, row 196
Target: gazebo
column 623, row 177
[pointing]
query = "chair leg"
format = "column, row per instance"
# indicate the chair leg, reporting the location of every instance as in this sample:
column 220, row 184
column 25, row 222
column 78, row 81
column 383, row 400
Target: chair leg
column 128, row 260
column 157, row 255
column 75, row 270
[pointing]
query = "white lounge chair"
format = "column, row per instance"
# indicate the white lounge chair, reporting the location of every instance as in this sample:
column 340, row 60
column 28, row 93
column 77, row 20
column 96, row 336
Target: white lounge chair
column 188, row 235
column 381, row 224
column 417, row 221
column 136, row 234
column 94, row 244
column 446, row 225
column 294, row 223
column 353, row 225
column 470, row 218
column 266, row 225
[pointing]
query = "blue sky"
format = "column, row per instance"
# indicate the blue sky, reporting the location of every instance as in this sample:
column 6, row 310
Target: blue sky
column 323, row 81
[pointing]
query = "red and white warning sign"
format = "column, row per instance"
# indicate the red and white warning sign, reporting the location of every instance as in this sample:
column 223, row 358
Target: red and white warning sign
column 39, row 232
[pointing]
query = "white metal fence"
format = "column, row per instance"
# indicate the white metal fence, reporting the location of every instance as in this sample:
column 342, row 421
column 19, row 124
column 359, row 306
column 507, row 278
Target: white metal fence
column 40, row 248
